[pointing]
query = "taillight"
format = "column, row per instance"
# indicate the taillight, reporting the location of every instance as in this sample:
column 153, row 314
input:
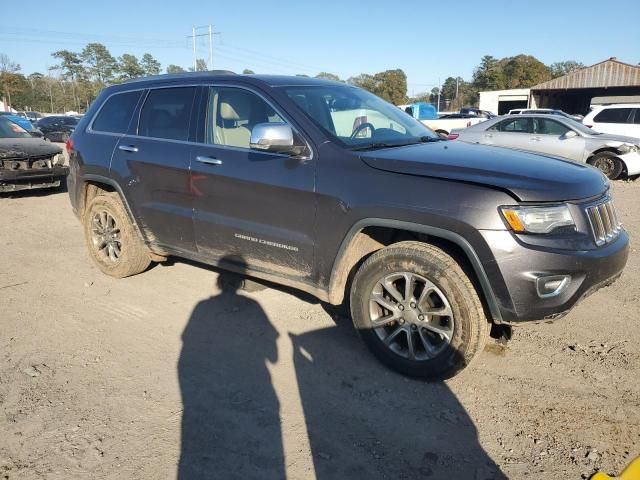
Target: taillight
column 69, row 145
column 453, row 136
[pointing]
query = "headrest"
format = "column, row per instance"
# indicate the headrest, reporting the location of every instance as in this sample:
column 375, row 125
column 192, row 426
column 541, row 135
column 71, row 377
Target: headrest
column 234, row 106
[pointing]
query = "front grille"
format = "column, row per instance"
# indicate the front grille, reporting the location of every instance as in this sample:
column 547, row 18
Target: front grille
column 603, row 218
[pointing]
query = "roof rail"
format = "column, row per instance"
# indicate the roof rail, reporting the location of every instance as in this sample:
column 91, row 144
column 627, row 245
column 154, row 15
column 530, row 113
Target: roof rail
column 172, row 76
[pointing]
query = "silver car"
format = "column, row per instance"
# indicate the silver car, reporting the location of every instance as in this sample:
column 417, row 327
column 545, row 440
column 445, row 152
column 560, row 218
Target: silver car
column 558, row 136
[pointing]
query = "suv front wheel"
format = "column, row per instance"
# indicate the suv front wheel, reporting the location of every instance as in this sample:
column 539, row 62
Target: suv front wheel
column 113, row 242
column 417, row 311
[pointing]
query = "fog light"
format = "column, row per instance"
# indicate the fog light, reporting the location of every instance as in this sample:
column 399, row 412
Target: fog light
column 552, row 286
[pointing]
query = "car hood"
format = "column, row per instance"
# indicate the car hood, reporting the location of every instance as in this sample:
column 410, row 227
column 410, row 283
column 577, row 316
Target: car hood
column 26, row 148
column 527, row 176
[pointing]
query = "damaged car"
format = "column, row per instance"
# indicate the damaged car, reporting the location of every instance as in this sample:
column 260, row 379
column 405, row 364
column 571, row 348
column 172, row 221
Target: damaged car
column 556, row 136
column 27, row 162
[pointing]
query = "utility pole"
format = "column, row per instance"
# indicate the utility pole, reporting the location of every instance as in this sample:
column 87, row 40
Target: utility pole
column 210, row 48
column 439, row 89
column 193, row 38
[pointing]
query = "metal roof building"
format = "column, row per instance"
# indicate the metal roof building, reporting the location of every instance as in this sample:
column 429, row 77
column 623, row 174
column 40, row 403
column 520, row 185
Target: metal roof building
column 573, row 92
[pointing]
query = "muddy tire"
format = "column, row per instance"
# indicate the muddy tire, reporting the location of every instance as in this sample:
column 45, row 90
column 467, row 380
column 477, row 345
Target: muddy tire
column 417, row 311
column 113, row 242
column 608, row 164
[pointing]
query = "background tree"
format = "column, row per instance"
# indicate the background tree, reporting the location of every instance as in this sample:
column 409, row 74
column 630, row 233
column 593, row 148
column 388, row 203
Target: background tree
column 488, row 75
column 328, row 76
column 150, row 65
column 524, row 71
column 99, row 63
column 391, row 85
column 247, row 71
column 201, row 66
column 129, row 67
column 10, row 80
column 560, row 69
column 175, row 69
column 364, row 80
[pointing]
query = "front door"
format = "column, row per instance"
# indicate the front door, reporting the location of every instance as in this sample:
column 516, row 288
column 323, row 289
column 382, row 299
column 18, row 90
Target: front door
column 250, row 207
column 510, row 133
column 548, row 137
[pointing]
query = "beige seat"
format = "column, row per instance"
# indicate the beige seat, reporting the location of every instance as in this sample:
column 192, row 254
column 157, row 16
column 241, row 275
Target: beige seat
column 232, row 125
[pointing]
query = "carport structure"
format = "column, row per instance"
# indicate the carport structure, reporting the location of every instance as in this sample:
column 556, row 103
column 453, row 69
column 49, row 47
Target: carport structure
column 573, row 92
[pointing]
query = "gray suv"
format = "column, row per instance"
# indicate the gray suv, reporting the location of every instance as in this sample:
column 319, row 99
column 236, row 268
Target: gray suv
column 324, row 187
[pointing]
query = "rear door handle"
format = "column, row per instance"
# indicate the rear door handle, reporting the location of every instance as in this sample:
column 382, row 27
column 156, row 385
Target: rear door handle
column 208, row 160
column 128, row 148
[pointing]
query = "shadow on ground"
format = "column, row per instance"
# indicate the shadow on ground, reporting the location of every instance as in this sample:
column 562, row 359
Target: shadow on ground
column 363, row 421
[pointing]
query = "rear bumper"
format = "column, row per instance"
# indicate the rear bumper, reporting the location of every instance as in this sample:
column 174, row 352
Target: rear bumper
column 15, row 180
column 520, row 266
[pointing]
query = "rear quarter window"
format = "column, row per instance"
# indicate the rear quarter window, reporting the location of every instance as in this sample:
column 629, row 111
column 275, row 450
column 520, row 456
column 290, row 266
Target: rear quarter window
column 115, row 114
column 613, row 115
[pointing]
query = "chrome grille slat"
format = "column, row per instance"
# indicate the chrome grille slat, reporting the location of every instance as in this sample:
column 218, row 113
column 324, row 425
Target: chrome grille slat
column 604, row 222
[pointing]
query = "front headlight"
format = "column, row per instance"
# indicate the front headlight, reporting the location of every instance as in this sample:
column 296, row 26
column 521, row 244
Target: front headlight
column 536, row 219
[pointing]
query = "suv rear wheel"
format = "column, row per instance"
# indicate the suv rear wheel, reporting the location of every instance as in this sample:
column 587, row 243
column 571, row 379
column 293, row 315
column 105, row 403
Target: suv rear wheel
column 417, row 311
column 113, row 242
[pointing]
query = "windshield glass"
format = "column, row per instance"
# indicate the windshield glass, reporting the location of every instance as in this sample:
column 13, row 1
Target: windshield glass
column 8, row 129
column 356, row 118
column 579, row 127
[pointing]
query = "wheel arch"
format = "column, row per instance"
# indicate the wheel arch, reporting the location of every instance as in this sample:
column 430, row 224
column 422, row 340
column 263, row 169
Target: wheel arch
column 370, row 235
column 611, row 150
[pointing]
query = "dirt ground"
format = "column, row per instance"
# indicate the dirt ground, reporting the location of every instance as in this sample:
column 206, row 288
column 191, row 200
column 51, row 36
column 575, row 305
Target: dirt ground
column 174, row 373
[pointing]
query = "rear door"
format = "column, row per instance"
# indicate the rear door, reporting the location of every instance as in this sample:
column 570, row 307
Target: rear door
column 250, row 206
column 510, row 133
column 548, row 138
column 152, row 163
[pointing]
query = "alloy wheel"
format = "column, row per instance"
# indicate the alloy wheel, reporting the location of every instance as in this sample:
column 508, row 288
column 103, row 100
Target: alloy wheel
column 105, row 235
column 411, row 315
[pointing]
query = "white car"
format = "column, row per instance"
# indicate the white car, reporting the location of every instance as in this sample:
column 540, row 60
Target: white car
column 448, row 122
column 619, row 119
column 553, row 135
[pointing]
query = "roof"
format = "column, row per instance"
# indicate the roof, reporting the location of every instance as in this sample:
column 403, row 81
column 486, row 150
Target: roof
column 609, row 73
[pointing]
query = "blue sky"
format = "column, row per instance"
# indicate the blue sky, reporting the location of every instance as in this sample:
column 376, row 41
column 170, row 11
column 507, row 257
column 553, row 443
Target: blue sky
column 428, row 40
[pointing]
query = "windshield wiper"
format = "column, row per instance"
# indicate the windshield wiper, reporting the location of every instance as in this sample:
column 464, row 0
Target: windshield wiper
column 378, row 145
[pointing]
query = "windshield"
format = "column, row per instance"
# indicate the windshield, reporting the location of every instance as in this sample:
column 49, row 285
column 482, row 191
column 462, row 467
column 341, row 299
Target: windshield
column 576, row 125
column 358, row 119
column 8, row 129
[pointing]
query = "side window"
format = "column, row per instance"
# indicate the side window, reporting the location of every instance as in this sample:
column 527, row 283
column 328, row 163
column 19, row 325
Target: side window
column 115, row 114
column 613, row 115
column 515, row 125
column 544, row 126
column 637, row 116
column 232, row 113
column 167, row 113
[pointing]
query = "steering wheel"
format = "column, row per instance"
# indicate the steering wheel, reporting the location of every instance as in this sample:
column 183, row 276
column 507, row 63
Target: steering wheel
column 361, row 127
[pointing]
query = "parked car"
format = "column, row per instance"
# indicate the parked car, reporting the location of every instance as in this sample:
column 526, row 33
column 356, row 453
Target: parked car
column 430, row 241
column 450, row 121
column 477, row 112
column 33, row 116
column 24, row 123
column 27, row 162
column 57, row 128
column 622, row 119
column 558, row 137
column 544, row 111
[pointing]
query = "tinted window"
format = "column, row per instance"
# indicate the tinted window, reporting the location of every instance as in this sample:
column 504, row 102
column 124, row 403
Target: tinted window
column 116, row 113
column 166, row 113
column 70, row 121
column 545, row 126
column 46, row 121
column 232, row 113
column 637, row 118
column 516, row 125
column 613, row 115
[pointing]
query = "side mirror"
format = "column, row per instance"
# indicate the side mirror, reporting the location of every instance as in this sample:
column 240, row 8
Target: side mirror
column 275, row 138
column 569, row 134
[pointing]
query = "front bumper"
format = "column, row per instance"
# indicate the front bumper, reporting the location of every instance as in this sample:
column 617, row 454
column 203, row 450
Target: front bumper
column 632, row 162
column 519, row 266
column 15, row 180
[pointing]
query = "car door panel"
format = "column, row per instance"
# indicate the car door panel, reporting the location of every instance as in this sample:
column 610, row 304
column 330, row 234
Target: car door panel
column 255, row 206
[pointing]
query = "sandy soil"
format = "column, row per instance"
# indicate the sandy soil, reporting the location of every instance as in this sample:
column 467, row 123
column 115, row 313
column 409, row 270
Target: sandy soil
column 166, row 374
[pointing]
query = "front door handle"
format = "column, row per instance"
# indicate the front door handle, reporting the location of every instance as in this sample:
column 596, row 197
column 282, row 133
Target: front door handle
column 535, row 139
column 208, row 160
column 488, row 135
column 128, row 148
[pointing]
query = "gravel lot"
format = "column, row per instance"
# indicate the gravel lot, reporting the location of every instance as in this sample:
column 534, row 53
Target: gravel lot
column 167, row 373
